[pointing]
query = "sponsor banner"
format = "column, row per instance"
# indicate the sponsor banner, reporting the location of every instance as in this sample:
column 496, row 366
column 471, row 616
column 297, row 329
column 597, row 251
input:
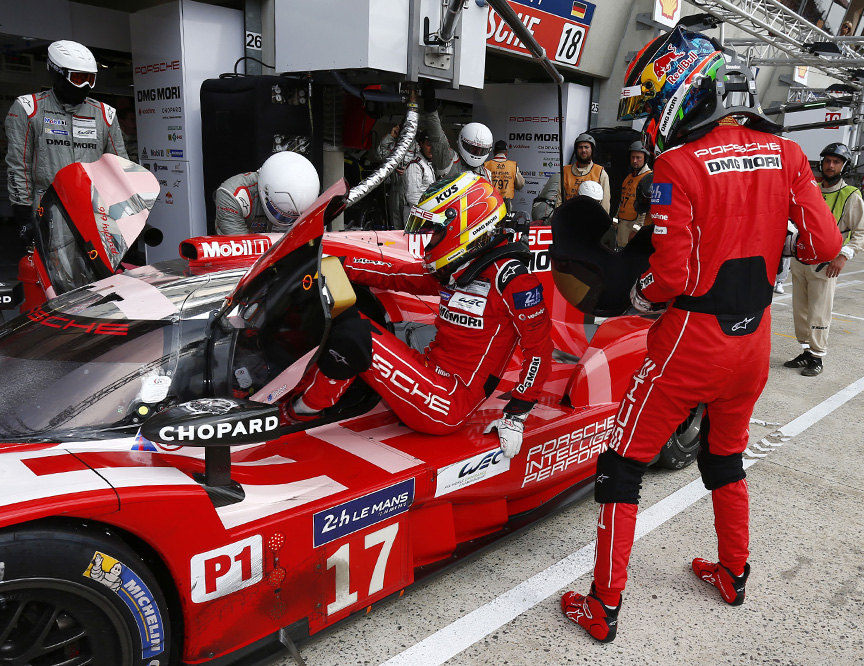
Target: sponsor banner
column 528, row 121
column 357, row 514
column 559, row 26
column 667, row 12
column 468, row 472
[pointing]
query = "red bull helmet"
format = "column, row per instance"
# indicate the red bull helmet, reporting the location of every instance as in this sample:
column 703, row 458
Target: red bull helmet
column 683, row 82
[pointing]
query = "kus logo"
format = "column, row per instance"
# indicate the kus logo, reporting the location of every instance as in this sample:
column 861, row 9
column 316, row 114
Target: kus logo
column 446, row 193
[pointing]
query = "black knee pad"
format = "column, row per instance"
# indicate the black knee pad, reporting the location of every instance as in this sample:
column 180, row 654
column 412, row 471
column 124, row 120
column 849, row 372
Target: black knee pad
column 618, row 480
column 348, row 349
column 718, row 471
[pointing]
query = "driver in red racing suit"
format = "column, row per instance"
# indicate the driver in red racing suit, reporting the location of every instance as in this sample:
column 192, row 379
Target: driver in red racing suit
column 490, row 302
column 720, row 205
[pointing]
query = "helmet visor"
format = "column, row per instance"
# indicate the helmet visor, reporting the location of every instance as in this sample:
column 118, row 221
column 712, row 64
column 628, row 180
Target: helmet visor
column 424, row 222
column 278, row 215
column 80, row 79
column 474, row 149
column 635, row 102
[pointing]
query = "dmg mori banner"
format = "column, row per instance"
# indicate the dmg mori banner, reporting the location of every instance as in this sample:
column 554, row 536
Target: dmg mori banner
column 526, row 117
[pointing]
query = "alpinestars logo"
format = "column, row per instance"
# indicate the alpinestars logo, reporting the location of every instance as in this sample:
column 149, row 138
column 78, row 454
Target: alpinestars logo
column 742, row 325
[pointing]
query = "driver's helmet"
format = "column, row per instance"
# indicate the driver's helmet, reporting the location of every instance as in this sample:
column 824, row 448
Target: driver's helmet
column 840, row 150
column 475, row 144
column 465, row 215
column 592, row 189
column 287, row 185
column 72, row 69
column 683, row 83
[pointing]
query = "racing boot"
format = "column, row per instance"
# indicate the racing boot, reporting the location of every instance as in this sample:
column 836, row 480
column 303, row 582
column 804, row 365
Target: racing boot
column 731, row 587
column 600, row 621
column 799, row 361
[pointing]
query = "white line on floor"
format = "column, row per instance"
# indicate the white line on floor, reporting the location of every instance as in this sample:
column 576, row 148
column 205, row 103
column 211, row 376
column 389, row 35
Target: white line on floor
column 449, row 641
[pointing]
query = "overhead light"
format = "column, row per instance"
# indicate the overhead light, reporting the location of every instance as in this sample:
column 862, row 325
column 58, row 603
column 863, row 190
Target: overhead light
column 822, row 48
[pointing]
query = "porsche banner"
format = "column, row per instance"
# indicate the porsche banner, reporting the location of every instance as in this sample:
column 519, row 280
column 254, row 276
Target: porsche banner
column 560, row 27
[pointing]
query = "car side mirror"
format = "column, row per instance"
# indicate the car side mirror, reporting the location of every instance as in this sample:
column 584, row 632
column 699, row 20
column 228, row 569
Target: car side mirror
column 216, row 424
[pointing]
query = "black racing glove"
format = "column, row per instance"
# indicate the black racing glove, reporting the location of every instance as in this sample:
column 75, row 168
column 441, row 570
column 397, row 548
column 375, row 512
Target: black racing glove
column 430, row 102
column 24, row 220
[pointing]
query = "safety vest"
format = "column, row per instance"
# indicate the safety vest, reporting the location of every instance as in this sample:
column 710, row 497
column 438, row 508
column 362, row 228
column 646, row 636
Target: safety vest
column 837, row 203
column 626, row 209
column 572, row 181
column 503, row 176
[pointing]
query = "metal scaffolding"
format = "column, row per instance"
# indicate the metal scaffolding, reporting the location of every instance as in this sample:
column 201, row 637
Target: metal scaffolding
column 782, row 37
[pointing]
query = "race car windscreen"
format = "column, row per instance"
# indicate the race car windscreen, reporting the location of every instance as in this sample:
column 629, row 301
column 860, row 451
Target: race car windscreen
column 68, row 375
column 67, row 264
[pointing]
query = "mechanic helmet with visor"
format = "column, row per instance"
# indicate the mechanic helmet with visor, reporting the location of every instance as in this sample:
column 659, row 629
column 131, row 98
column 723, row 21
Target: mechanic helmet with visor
column 683, row 83
column 475, row 144
column 287, row 184
column 72, row 68
column 466, row 217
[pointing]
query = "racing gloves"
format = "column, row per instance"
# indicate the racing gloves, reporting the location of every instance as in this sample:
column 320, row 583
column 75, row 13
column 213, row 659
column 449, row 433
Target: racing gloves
column 642, row 304
column 510, row 428
column 789, row 245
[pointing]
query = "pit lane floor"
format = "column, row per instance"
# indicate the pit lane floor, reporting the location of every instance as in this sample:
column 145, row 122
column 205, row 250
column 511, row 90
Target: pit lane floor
column 805, row 596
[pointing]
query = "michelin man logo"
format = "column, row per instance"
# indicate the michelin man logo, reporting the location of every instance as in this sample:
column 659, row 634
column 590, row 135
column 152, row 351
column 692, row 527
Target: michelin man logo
column 110, row 578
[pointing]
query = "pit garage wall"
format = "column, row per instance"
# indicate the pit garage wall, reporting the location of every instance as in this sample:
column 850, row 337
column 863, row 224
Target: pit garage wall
column 175, row 47
column 526, row 116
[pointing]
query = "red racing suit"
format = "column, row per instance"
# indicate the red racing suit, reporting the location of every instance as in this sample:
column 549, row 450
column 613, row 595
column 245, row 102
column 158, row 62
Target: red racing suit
column 720, row 206
column 478, row 327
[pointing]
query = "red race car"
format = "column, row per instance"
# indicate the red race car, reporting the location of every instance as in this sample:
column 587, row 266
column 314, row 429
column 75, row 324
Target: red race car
column 155, row 510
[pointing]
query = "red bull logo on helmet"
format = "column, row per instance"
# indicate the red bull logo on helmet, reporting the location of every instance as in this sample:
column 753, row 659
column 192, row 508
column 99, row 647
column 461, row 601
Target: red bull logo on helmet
column 664, row 63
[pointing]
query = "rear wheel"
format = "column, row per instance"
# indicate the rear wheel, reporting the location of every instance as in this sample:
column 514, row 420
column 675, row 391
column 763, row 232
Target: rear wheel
column 683, row 445
column 74, row 597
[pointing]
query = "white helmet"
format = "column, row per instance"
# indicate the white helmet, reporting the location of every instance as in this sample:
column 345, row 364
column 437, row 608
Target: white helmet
column 591, row 188
column 69, row 58
column 475, row 144
column 287, row 184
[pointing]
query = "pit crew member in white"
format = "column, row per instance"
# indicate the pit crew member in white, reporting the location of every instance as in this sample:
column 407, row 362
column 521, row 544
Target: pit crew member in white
column 268, row 200
column 490, row 302
column 52, row 129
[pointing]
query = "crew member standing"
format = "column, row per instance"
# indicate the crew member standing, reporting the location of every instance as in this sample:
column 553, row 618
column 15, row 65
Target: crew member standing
column 505, row 173
column 629, row 219
column 813, row 286
column 54, row 128
column 575, row 174
column 715, row 256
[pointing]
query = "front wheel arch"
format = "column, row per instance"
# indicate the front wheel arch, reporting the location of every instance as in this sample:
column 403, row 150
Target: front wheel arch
column 118, row 614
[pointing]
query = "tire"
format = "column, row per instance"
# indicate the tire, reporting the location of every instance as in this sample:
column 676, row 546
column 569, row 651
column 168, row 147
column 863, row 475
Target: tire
column 683, row 445
column 53, row 612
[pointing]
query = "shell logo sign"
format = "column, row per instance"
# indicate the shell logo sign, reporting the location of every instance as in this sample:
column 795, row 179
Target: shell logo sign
column 667, row 12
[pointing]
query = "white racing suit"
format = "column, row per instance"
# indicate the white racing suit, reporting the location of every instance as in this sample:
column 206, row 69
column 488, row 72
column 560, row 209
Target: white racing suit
column 45, row 135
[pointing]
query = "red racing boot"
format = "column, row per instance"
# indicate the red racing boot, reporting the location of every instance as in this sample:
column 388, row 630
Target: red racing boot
column 591, row 614
column 731, row 587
